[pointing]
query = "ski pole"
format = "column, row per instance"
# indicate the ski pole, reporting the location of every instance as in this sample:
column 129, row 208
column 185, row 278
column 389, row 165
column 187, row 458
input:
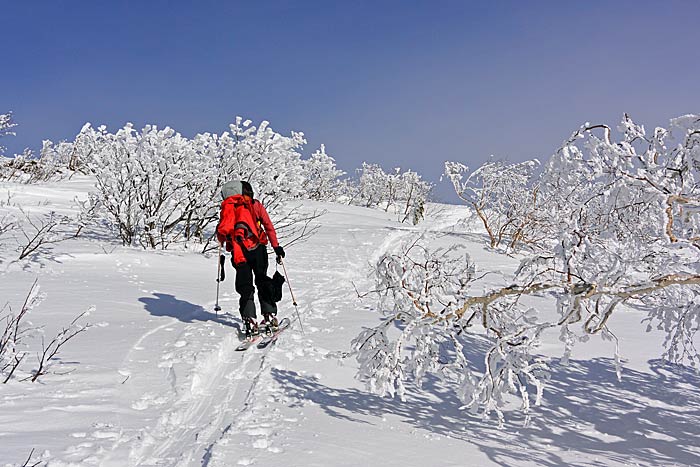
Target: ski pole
column 294, row 300
column 219, row 277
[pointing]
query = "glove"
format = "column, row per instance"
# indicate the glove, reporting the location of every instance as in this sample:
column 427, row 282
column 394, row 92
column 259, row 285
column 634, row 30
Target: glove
column 279, row 251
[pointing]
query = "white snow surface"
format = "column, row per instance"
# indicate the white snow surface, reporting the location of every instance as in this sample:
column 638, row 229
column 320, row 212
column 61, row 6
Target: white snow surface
column 156, row 381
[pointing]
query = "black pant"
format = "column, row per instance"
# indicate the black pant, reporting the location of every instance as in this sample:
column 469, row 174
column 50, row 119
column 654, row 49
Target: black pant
column 256, row 264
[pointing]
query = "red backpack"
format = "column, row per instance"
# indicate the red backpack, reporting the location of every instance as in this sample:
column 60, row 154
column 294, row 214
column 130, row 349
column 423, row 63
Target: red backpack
column 239, row 227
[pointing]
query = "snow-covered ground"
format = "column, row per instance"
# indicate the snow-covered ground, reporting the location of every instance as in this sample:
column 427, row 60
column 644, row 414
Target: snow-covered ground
column 156, row 380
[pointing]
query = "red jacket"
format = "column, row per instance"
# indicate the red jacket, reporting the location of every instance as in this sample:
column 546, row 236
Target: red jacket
column 261, row 215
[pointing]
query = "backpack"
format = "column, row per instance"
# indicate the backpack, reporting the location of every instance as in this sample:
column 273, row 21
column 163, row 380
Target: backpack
column 238, row 225
column 237, row 222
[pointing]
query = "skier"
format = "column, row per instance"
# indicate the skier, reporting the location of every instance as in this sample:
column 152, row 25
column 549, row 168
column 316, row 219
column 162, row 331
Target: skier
column 245, row 227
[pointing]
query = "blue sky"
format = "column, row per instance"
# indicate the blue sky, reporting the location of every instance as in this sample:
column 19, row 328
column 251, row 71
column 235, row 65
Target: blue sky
column 400, row 83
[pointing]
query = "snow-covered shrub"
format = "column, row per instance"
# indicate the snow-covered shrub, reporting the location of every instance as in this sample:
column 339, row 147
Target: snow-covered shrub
column 26, row 232
column 322, row 178
column 28, row 168
column 59, row 157
column 14, row 331
column 503, row 195
column 158, row 187
column 6, row 126
column 141, row 178
column 7, row 169
column 404, row 193
column 619, row 224
column 54, row 161
column 7, row 224
column 18, row 168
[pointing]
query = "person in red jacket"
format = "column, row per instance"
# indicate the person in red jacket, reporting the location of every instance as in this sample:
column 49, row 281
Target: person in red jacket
column 247, row 239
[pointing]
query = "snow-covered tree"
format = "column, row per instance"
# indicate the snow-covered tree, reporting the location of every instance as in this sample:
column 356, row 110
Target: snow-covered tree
column 411, row 195
column 620, row 221
column 504, row 197
column 405, row 193
column 322, row 178
column 374, row 186
column 624, row 227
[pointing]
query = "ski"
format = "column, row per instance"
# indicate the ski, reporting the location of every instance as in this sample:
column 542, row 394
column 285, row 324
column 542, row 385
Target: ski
column 248, row 343
column 267, row 340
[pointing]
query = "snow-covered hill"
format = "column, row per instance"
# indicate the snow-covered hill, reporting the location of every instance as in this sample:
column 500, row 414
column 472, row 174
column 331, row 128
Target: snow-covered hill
column 156, row 380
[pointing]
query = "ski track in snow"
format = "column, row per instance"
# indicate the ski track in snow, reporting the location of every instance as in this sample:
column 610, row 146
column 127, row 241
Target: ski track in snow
column 260, row 426
column 185, row 431
column 194, row 410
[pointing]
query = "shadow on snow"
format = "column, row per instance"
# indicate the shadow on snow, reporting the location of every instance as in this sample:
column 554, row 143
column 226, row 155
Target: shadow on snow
column 647, row 418
column 167, row 305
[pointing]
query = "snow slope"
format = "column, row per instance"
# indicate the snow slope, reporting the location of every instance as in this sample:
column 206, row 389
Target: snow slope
column 156, row 381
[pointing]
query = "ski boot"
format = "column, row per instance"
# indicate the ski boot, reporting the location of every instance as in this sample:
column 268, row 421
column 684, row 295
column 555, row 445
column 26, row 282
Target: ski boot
column 269, row 323
column 251, row 328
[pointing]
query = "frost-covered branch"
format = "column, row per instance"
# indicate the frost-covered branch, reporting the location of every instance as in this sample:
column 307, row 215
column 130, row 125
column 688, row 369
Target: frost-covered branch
column 30, row 462
column 616, row 225
column 40, row 231
column 425, row 291
column 46, row 358
column 504, row 196
column 611, row 214
column 16, row 332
